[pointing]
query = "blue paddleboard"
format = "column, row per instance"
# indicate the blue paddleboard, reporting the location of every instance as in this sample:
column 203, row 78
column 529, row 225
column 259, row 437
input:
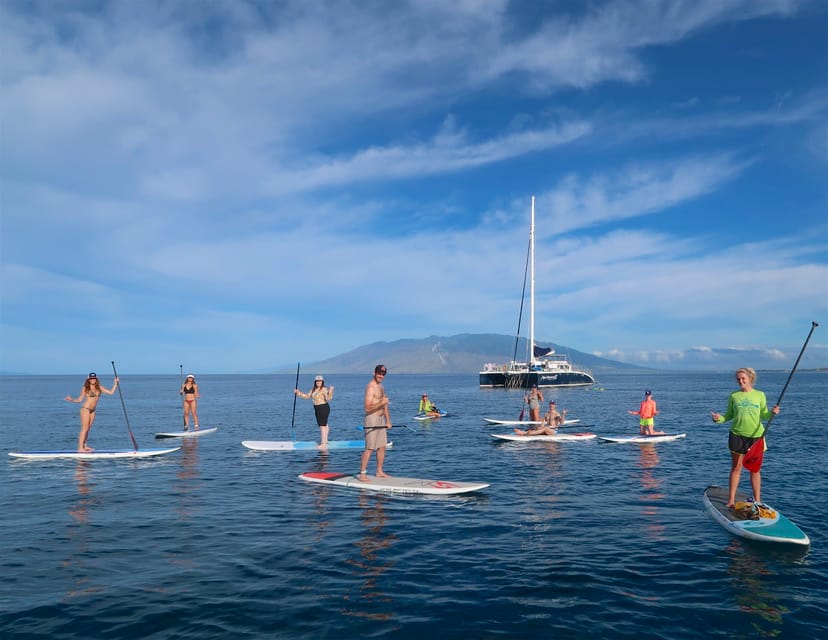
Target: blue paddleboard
column 764, row 524
column 291, row 445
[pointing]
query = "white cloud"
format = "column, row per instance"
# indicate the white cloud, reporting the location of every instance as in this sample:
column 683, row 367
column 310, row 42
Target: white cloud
column 636, row 190
column 218, row 168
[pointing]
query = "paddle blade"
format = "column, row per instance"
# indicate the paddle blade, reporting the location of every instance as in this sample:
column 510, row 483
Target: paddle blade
column 520, row 417
column 754, row 456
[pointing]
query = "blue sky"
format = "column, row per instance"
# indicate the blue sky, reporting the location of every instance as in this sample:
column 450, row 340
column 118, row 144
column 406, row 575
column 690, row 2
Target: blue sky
column 233, row 185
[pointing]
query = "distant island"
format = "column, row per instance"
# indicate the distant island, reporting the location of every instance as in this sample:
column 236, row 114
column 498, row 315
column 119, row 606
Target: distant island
column 468, row 353
column 463, row 353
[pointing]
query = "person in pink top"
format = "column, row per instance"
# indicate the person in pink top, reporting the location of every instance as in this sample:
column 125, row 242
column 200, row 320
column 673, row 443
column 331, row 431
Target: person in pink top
column 647, row 413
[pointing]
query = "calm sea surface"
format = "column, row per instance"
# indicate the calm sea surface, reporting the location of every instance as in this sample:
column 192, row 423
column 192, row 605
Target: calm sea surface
column 578, row 539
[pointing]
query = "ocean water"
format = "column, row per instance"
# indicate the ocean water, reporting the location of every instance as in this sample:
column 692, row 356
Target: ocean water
column 576, row 539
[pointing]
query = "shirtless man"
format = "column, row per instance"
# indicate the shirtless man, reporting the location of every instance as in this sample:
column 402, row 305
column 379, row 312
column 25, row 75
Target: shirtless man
column 551, row 421
column 376, row 424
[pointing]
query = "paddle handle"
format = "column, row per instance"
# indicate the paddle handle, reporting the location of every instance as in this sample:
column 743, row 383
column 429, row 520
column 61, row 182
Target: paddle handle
column 183, row 401
column 293, row 415
column 814, row 325
column 123, row 406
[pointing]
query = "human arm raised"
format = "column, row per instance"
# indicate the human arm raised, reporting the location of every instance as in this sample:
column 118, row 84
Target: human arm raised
column 109, row 392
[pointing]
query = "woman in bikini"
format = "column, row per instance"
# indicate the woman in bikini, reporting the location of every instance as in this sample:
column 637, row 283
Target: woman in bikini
column 534, row 399
column 190, row 392
column 321, row 396
column 89, row 396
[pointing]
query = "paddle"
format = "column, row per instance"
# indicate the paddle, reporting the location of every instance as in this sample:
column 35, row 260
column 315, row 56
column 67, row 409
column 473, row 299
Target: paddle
column 385, row 426
column 575, row 425
column 183, row 401
column 123, row 406
column 295, row 389
column 754, row 456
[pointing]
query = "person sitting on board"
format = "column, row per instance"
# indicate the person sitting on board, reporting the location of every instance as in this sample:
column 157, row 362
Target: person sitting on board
column 551, row 421
column 376, row 424
column 549, row 425
column 552, row 417
column 428, row 408
column 321, row 396
column 647, row 412
column 533, row 399
column 746, row 407
column 89, row 396
column 191, row 395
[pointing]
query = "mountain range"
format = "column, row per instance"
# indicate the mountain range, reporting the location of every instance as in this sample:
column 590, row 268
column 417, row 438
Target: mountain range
column 463, row 353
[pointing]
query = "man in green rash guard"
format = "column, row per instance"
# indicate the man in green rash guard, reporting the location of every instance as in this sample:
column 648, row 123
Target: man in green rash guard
column 746, row 408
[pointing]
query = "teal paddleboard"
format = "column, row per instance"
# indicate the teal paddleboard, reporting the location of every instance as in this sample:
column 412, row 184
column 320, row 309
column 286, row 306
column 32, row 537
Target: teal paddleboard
column 764, row 524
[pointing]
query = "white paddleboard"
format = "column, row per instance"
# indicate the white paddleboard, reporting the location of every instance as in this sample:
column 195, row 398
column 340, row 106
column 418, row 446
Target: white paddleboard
column 517, row 423
column 558, row 437
column 423, row 416
column 193, row 433
column 766, row 525
column 291, row 445
column 395, row 485
column 98, row 454
column 667, row 437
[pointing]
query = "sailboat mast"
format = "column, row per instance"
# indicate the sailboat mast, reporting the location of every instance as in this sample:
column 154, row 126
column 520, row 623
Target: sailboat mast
column 532, row 285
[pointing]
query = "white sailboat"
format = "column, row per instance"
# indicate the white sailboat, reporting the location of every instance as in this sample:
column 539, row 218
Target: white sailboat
column 542, row 366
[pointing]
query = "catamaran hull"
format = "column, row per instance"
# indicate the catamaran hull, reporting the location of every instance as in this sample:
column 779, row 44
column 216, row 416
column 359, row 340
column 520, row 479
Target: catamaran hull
column 513, row 380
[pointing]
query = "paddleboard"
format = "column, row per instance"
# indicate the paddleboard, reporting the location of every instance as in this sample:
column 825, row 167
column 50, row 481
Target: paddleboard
column 423, row 416
column 517, row 423
column 667, row 437
column 558, row 437
column 395, row 485
column 185, row 434
column 768, row 526
column 290, row 445
column 98, row 454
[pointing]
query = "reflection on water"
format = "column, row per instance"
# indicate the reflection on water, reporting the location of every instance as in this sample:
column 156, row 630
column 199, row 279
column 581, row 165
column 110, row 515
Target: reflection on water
column 320, row 496
column 651, row 484
column 369, row 566
column 552, row 463
column 187, row 491
column 187, row 475
column 752, row 581
column 77, row 532
column 544, row 509
column 80, row 511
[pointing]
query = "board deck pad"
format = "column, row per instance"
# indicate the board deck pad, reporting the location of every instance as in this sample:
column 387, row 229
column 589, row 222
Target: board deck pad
column 395, row 485
column 667, row 437
column 298, row 445
column 766, row 524
column 558, row 437
column 192, row 433
column 98, row 454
